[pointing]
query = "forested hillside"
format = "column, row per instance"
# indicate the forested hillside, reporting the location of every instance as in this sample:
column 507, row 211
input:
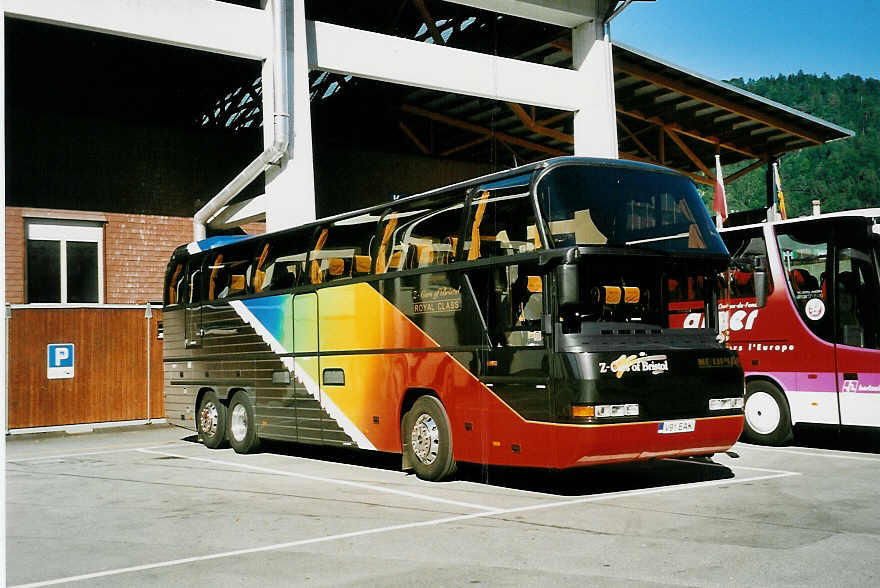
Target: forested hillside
column 843, row 174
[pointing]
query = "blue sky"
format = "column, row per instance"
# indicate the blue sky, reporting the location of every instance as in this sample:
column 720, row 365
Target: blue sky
column 723, row 39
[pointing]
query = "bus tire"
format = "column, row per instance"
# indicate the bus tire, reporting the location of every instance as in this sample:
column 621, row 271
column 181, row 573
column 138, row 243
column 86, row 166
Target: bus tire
column 768, row 420
column 211, row 420
column 241, row 429
column 428, row 439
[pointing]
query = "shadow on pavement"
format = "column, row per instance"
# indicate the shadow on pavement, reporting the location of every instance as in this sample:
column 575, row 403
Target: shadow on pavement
column 862, row 439
column 598, row 479
column 574, row 482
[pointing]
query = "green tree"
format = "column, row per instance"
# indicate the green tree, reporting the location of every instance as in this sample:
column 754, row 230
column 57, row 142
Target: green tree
column 843, row 174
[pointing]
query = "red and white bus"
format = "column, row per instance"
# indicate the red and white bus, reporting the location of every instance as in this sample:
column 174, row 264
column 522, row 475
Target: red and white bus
column 812, row 353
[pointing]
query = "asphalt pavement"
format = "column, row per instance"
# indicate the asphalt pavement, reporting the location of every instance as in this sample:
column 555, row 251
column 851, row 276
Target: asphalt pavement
column 150, row 506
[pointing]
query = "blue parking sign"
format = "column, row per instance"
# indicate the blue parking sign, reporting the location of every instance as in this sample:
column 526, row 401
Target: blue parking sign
column 59, row 360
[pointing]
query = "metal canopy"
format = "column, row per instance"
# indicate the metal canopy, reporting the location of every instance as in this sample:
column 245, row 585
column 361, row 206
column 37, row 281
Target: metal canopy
column 666, row 115
column 678, row 118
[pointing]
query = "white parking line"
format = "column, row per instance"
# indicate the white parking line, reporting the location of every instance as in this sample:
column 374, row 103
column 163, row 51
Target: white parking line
column 322, row 479
column 431, row 523
column 814, row 454
column 84, row 453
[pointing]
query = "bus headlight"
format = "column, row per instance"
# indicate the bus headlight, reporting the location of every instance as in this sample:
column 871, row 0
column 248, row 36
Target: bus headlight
column 725, row 403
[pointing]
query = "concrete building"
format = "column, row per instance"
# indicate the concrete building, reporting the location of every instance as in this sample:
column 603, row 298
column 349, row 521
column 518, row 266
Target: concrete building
column 131, row 127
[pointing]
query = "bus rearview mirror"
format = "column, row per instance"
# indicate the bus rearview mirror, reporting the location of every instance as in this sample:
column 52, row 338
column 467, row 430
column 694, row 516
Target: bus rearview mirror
column 762, row 289
column 567, row 285
column 762, row 283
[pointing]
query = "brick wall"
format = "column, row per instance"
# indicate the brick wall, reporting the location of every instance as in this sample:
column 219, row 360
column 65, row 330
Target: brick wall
column 136, row 249
column 14, row 256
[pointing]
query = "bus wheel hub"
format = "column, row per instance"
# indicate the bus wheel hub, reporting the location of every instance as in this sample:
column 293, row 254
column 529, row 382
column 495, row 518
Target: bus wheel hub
column 425, row 439
column 208, row 419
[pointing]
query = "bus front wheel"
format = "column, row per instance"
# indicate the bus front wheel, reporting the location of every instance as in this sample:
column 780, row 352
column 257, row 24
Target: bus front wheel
column 242, row 431
column 768, row 420
column 428, row 440
column 211, row 421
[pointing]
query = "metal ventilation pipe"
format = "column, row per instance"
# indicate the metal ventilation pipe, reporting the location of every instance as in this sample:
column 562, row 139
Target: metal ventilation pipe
column 281, row 127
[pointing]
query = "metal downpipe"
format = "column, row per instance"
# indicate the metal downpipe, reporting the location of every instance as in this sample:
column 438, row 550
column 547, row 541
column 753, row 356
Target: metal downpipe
column 281, row 127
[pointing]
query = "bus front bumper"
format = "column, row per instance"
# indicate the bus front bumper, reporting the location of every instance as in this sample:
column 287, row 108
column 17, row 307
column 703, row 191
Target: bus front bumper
column 601, row 444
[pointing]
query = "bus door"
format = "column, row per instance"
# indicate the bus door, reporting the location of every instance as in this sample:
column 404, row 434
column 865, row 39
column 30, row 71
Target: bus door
column 858, row 334
column 517, row 361
column 193, row 312
column 804, row 361
column 309, row 414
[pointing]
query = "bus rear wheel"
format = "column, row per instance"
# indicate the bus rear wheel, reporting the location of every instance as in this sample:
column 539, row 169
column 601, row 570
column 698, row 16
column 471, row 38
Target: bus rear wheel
column 427, row 439
column 768, row 420
column 211, row 421
column 242, row 431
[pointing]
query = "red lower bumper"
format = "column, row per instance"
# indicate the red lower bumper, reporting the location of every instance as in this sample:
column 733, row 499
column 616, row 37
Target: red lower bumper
column 566, row 446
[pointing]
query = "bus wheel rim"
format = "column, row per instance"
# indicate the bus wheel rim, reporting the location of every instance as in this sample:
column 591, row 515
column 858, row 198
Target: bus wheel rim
column 762, row 413
column 425, row 439
column 239, row 423
column 208, row 417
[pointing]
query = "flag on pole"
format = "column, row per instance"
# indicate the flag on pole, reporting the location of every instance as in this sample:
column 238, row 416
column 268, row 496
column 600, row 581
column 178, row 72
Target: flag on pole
column 719, row 198
column 779, row 196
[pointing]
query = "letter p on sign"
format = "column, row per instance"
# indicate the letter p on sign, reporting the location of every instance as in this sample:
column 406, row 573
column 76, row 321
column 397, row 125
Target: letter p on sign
column 59, row 362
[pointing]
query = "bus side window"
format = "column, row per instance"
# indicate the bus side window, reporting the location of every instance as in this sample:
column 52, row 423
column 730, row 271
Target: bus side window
column 515, row 299
column 228, row 272
column 344, row 251
column 746, row 246
column 429, row 240
column 194, row 281
column 280, row 261
column 500, row 223
column 857, row 293
column 804, row 253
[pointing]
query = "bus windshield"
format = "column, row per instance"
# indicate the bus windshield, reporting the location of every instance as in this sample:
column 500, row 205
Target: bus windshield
column 620, row 206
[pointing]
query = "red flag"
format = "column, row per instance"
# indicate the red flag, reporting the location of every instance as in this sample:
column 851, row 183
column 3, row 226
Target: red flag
column 719, row 198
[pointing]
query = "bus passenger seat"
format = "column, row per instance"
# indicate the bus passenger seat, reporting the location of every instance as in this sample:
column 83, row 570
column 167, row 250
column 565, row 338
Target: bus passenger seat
column 362, row 264
column 337, row 267
column 237, row 283
column 803, row 281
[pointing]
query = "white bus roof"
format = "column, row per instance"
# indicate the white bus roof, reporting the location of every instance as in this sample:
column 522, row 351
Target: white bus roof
column 873, row 213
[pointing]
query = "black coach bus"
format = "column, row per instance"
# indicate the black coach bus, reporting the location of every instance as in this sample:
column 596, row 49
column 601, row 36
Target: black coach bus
column 521, row 319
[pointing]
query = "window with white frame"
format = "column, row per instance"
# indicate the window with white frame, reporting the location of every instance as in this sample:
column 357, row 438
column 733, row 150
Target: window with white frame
column 64, row 261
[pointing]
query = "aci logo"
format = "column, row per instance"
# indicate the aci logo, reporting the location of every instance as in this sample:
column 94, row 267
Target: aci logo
column 59, row 361
column 850, row 386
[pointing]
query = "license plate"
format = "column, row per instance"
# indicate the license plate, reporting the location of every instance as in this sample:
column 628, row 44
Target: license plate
column 680, row 426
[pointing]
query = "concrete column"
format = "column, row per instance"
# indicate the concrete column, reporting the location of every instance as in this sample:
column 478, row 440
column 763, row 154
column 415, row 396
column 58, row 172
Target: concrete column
column 595, row 122
column 290, row 186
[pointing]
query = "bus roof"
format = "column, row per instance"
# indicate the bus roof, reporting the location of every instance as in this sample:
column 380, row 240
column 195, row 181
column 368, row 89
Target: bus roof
column 496, row 177
column 214, row 242
column 866, row 213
